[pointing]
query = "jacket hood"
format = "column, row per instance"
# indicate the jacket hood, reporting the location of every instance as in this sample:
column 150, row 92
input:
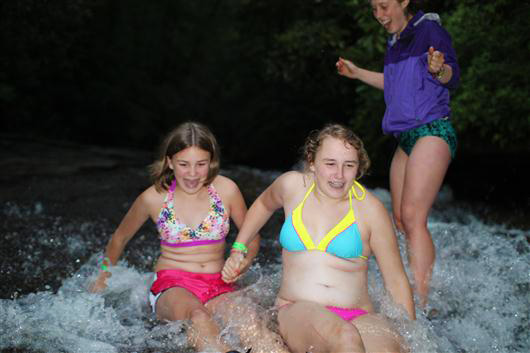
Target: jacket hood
column 418, row 18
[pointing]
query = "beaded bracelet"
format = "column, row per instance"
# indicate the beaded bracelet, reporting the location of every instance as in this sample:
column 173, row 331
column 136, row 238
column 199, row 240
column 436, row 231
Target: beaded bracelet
column 240, row 247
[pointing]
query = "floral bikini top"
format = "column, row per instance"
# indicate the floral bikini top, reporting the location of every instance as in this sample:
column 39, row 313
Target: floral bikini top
column 213, row 229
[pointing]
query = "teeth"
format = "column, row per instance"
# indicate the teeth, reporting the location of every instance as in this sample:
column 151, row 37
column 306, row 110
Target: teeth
column 336, row 184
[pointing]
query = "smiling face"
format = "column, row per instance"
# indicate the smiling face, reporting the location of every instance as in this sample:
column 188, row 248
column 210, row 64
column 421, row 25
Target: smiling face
column 335, row 167
column 190, row 167
column 391, row 14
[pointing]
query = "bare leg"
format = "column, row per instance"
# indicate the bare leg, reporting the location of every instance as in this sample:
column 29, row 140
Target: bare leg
column 310, row 327
column 242, row 315
column 424, row 174
column 378, row 335
column 180, row 304
column 397, row 180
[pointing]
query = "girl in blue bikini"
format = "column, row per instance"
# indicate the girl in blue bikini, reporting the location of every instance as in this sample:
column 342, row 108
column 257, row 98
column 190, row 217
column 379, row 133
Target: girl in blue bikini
column 332, row 226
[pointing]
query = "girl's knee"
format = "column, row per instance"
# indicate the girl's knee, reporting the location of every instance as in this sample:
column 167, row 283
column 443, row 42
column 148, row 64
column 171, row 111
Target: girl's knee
column 199, row 315
column 411, row 219
column 349, row 339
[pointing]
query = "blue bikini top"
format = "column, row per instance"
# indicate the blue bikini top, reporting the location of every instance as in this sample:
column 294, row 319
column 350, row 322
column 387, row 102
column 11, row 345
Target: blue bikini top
column 344, row 240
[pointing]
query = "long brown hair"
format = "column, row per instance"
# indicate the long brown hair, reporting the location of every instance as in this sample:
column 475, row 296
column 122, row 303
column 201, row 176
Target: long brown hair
column 341, row 132
column 189, row 134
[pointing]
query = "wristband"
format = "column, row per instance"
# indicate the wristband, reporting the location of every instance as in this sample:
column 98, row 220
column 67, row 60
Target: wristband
column 240, row 247
column 105, row 264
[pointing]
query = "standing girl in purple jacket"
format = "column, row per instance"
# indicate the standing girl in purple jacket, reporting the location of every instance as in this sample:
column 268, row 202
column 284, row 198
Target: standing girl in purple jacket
column 419, row 69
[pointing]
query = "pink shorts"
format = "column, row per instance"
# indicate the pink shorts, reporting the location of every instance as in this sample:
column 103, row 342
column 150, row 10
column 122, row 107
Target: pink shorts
column 347, row 314
column 204, row 286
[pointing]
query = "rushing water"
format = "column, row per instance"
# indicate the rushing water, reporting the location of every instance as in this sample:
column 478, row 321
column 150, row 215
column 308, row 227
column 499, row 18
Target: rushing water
column 480, row 285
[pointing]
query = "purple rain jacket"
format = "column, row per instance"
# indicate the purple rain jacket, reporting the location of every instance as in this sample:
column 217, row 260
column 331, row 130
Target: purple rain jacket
column 413, row 96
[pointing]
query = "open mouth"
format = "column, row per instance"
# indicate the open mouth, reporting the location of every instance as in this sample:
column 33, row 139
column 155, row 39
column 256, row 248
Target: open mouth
column 191, row 184
column 336, row 184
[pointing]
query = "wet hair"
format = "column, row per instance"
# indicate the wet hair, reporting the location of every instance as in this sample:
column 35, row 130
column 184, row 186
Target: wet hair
column 314, row 142
column 189, row 134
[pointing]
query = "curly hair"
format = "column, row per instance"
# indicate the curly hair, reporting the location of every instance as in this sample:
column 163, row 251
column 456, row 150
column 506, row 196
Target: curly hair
column 189, row 134
column 314, row 142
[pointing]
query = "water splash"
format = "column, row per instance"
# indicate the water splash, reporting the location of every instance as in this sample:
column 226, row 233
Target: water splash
column 479, row 287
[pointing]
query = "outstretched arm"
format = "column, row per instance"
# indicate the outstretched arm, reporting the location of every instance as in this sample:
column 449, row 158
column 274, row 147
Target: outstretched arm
column 258, row 214
column 383, row 243
column 238, row 212
column 133, row 220
column 350, row 70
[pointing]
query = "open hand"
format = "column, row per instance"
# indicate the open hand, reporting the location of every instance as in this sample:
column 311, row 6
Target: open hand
column 100, row 283
column 346, row 68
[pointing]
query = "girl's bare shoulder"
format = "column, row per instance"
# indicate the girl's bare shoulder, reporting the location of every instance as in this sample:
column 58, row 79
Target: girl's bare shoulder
column 292, row 186
column 294, row 179
column 151, row 197
column 373, row 209
column 224, row 184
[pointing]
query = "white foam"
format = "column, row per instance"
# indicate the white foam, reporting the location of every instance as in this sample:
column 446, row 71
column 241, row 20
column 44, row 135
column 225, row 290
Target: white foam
column 479, row 287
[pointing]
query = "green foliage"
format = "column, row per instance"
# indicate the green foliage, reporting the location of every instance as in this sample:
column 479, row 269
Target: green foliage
column 492, row 101
column 261, row 73
column 491, row 107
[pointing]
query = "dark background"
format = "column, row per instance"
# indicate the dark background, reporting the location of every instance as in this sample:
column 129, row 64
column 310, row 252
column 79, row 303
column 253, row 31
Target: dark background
column 261, row 75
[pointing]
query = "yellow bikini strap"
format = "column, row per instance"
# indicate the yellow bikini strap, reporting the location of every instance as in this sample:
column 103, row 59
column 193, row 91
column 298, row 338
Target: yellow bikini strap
column 308, row 193
column 360, row 198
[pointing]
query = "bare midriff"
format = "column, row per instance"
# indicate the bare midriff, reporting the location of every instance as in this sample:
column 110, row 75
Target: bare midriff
column 322, row 278
column 199, row 259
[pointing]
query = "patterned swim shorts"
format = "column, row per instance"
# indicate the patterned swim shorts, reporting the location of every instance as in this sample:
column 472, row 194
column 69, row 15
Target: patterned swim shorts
column 441, row 128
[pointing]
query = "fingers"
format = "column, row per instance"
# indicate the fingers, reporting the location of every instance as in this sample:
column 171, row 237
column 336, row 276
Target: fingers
column 340, row 65
column 232, row 268
column 229, row 275
column 435, row 60
column 96, row 286
column 345, row 67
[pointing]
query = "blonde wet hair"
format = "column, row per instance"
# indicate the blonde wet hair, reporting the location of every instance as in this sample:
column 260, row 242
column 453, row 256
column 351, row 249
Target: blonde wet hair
column 189, row 134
